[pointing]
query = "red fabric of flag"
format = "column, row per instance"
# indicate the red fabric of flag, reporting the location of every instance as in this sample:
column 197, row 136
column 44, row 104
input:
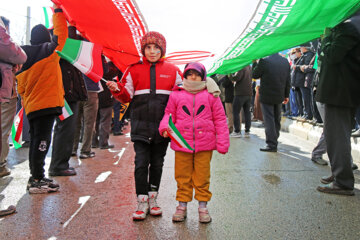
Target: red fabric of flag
column 117, row 25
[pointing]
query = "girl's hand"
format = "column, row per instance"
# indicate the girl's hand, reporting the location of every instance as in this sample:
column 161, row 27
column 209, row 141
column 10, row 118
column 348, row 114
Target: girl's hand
column 165, row 134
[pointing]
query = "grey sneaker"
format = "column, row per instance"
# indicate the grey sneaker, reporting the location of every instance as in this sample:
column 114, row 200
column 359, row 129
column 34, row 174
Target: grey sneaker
column 319, row 161
column 235, row 134
column 42, row 186
column 10, row 210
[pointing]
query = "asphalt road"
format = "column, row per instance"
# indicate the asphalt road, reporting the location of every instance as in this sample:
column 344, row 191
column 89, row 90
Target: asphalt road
column 256, row 195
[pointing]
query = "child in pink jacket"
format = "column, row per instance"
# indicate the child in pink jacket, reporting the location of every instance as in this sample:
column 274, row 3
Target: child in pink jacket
column 200, row 118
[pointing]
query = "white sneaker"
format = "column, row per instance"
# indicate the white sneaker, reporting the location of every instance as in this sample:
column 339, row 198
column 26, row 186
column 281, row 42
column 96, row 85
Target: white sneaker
column 155, row 210
column 247, row 134
column 235, row 134
column 142, row 209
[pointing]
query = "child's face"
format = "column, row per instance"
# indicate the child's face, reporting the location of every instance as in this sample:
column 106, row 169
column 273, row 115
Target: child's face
column 152, row 52
column 193, row 76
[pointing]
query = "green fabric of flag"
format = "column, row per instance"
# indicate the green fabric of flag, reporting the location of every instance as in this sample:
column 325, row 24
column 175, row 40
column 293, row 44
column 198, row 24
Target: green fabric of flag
column 281, row 24
column 316, row 62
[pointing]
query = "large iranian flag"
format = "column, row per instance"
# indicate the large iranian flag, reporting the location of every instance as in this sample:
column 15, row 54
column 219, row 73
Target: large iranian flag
column 85, row 56
column 175, row 135
column 277, row 25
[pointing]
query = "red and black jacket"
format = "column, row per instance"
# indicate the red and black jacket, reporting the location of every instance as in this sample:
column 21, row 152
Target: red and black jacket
column 147, row 86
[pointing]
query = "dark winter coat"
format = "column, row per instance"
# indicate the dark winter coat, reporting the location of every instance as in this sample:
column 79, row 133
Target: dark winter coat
column 297, row 76
column 308, row 59
column 106, row 99
column 339, row 82
column 274, row 74
column 73, row 81
column 229, row 89
column 243, row 82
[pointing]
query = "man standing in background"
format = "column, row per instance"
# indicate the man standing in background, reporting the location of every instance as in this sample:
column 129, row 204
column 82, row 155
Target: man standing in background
column 274, row 74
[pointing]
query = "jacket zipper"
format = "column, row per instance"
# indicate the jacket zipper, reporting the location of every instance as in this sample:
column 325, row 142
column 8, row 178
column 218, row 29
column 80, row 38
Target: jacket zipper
column 194, row 122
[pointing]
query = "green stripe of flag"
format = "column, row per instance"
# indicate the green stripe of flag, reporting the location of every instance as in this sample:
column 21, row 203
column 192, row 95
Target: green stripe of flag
column 47, row 21
column 71, row 50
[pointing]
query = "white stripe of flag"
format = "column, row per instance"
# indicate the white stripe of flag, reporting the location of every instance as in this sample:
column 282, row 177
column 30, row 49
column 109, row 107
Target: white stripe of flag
column 175, row 135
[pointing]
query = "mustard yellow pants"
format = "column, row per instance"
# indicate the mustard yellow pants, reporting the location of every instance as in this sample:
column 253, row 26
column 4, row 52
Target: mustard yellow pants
column 192, row 171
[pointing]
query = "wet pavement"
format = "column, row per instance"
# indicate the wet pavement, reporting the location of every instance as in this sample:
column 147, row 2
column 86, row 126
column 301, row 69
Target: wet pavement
column 256, row 195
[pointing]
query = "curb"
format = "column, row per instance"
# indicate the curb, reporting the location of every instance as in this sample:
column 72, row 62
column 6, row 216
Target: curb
column 312, row 133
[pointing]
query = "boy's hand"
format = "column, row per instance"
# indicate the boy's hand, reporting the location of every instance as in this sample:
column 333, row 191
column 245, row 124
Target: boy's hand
column 165, row 134
column 113, row 86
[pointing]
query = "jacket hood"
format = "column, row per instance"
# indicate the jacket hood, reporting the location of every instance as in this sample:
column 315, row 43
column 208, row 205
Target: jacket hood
column 39, row 35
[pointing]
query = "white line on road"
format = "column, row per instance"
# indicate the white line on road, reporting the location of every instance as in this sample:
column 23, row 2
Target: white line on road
column 102, row 177
column 82, row 201
column 119, row 156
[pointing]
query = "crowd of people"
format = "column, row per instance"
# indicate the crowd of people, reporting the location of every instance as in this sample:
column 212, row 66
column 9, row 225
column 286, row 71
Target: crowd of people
column 158, row 91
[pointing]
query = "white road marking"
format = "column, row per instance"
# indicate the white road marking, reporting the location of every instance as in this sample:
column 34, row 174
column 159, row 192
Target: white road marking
column 119, row 156
column 82, row 201
column 102, row 177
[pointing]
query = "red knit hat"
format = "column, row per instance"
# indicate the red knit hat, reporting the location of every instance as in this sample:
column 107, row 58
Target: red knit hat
column 155, row 38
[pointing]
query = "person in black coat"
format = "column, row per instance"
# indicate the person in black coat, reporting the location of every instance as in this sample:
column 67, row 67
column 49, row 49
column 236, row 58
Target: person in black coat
column 274, row 74
column 63, row 136
column 307, row 81
column 297, row 81
column 104, row 116
column 338, row 89
column 229, row 97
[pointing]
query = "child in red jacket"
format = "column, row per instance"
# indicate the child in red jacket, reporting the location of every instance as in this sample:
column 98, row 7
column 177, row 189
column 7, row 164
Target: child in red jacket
column 147, row 85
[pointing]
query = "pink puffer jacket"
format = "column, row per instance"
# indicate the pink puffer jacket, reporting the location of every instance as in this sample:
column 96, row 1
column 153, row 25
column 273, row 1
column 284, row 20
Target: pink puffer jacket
column 200, row 118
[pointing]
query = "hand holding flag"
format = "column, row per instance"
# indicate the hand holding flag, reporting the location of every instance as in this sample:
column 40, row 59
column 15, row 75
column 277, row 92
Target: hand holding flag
column 175, row 135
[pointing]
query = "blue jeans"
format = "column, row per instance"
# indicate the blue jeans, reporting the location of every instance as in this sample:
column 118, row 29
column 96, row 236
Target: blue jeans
column 293, row 105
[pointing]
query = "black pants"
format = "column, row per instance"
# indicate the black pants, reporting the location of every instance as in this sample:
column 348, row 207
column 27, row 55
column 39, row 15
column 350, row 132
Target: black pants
column 272, row 119
column 306, row 95
column 63, row 140
column 316, row 112
column 299, row 101
column 40, row 139
column 337, row 130
column 240, row 102
column 149, row 161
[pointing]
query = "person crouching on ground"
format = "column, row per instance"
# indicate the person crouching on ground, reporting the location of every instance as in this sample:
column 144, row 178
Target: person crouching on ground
column 201, row 120
column 147, row 85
